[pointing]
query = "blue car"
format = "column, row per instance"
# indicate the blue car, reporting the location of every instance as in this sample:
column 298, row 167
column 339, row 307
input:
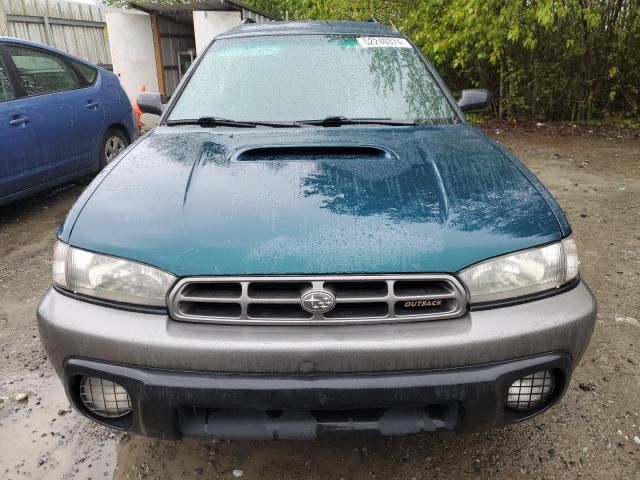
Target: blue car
column 60, row 118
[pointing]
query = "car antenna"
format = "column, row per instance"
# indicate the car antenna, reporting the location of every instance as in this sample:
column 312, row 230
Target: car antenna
column 373, row 20
column 247, row 20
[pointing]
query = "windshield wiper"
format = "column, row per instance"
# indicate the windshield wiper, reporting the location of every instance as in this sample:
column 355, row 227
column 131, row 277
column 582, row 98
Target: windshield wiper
column 339, row 120
column 209, row 122
column 225, row 122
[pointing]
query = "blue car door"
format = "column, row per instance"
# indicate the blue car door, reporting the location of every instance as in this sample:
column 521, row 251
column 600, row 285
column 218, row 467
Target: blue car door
column 66, row 112
column 19, row 150
column 89, row 109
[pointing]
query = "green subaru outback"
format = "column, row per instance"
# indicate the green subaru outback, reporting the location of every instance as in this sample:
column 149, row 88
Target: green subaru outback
column 314, row 240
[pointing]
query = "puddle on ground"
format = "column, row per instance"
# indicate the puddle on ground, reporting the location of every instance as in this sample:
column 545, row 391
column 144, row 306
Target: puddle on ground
column 43, row 438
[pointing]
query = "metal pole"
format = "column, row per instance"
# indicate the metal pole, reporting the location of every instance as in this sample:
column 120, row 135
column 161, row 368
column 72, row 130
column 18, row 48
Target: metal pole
column 48, row 34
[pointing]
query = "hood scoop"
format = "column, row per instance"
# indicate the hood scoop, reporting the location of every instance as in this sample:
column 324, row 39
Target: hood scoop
column 313, row 153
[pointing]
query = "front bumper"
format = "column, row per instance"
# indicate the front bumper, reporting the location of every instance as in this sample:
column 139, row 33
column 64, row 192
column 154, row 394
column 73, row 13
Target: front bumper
column 436, row 361
column 74, row 328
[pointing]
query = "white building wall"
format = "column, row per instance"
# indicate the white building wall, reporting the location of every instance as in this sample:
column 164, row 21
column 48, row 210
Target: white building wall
column 132, row 53
column 207, row 25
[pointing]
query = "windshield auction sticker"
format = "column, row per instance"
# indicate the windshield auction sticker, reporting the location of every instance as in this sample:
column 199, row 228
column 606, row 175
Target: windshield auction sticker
column 383, row 42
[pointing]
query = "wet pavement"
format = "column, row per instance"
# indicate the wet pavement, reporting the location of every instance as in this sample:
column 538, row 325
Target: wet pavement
column 42, row 437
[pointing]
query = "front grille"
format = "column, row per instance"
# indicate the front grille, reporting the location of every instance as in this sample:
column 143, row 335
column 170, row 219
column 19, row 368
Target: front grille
column 277, row 300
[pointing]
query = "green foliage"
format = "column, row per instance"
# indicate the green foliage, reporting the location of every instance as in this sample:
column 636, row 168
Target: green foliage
column 388, row 11
column 552, row 59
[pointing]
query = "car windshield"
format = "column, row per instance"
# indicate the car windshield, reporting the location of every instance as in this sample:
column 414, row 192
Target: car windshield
column 312, row 77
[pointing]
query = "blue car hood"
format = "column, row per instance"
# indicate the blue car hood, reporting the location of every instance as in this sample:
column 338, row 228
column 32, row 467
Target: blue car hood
column 441, row 199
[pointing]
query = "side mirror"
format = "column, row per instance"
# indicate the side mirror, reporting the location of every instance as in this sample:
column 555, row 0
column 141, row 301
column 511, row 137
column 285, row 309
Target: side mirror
column 150, row 102
column 474, row 100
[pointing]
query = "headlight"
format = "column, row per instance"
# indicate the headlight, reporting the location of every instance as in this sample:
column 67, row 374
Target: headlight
column 109, row 278
column 522, row 273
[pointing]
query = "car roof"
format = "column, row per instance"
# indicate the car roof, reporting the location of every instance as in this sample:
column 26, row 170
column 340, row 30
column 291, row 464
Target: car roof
column 28, row 43
column 328, row 27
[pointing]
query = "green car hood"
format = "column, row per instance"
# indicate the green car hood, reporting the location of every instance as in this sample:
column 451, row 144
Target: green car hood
column 196, row 201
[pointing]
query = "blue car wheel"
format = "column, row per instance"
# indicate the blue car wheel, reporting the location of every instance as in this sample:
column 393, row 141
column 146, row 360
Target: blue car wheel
column 113, row 143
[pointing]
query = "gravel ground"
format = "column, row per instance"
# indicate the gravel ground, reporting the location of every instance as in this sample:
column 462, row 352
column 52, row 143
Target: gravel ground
column 593, row 433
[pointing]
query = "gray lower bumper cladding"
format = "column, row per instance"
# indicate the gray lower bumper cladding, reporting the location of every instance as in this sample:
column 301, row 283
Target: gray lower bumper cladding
column 172, row 404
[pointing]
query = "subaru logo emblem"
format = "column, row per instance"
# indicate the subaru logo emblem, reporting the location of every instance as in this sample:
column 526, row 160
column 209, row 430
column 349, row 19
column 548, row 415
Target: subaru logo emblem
column 318, row 301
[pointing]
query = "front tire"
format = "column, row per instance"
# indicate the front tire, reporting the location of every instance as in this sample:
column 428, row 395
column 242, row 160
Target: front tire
column 113, row 143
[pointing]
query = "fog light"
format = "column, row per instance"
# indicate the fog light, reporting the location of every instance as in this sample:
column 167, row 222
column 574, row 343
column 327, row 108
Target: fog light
column 104, row 398
column 531, row 391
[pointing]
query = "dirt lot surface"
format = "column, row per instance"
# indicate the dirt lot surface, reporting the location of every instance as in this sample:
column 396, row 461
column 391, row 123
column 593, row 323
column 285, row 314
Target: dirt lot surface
column 593, row 433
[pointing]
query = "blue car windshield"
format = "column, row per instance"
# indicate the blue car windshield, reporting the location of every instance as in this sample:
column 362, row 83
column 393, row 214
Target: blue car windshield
column 312, row 77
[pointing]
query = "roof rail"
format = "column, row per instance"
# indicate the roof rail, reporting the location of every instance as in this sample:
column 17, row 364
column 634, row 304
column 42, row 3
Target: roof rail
column 247, row 20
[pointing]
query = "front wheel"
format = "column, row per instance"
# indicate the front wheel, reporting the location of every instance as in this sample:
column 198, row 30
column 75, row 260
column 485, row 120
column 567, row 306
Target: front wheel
column 113, row 143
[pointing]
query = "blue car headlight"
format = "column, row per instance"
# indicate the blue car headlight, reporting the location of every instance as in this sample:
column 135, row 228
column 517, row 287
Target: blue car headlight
column 522, row 273
column 109, row 278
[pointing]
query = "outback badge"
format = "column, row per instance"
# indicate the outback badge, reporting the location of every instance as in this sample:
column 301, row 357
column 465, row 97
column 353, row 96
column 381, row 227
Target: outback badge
column 423, row 303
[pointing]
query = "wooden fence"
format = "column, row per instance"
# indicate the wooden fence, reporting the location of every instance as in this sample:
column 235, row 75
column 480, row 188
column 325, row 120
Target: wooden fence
column 76, row 28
